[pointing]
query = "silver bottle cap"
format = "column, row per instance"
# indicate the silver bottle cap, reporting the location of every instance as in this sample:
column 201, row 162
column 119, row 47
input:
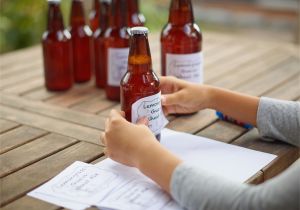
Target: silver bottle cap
column 139, row 30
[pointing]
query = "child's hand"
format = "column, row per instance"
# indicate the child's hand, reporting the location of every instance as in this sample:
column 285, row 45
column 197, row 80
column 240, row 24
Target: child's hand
column 181, row 97
column 126, row 142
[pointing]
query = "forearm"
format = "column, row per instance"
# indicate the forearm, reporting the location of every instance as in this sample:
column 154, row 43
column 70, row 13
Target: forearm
column 236, row 105
column 158, row 164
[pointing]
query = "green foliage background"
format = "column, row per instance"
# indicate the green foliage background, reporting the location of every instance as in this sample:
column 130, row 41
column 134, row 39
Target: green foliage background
column 22, row 22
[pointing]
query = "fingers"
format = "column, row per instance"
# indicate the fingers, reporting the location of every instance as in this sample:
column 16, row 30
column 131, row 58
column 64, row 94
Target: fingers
column 167, row 85
column 103, row 139
column 116, row 114
column 143, row 121
column 172, row 99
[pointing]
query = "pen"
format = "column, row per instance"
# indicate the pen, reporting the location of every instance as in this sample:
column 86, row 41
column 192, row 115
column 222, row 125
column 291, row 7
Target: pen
column 221, row 116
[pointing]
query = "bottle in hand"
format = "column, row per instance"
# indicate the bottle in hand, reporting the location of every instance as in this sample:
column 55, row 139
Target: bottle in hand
column 181, row 44
column 57, row 51
column 140, row 91
column 82, row 41
column 100, row 73
column 116, row 49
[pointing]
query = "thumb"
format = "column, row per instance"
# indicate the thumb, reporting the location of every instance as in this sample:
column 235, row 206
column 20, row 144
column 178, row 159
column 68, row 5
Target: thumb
column 143, row 121
column 171, row 99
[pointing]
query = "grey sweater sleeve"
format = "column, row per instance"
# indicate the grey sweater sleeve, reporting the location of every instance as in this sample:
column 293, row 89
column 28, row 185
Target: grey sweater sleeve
column 277, row 119
column 194, row 188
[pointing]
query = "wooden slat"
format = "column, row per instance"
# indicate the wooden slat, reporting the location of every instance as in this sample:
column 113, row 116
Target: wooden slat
column 249, row 70
column 32, row 152
column 106, row 112
column 194, row 122
column 287, row 154
column 258, row 178
column 23, row 78
column 19, row 136
column 27, row 202
column 39, row 94
column 99, row 160
column 76, row 95
column 222, row 56
column 20, row 68
column 290, row 90
column 226, row 131
column 53, row 111
column 26, row 86
column 9, row 59
column 53, row 125
column 269, row 80
column 94, row 105
column 6, row 125
column 228, row 68
column 19, row 183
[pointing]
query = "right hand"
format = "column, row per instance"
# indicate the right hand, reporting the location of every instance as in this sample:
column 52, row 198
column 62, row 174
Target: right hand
column 181, row 97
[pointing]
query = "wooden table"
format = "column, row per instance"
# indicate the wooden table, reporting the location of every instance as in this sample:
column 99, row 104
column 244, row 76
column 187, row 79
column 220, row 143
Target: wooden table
column 43, row 132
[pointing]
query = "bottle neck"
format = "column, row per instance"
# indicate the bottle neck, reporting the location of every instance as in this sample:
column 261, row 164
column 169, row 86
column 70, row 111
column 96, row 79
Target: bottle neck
column 55, row 19
column 133, row 7
column 77, row 14
column 118, row 14
column 181, row 12
column 105, row 8
column 139, row 59
column 96, row 6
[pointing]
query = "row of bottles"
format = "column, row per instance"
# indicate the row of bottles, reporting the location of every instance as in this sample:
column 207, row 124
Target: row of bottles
column 108, row 49
column 75, row 54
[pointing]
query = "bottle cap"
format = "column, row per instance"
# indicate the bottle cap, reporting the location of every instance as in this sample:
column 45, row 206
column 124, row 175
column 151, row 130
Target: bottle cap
column 139, row 30
column 106, row 1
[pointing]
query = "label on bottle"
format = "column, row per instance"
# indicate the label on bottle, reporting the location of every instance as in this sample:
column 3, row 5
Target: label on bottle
column 151, row 108
column 117, row 65
column 188, row 67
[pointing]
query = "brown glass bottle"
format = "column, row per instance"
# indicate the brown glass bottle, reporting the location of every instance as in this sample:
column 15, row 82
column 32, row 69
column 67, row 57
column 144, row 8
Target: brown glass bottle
column 95, row 15
column 82, row 40
column 100, row 73
column 116, row 49
column 57, row 51
column 181, row 44
column 134, row 17
column 140, row 91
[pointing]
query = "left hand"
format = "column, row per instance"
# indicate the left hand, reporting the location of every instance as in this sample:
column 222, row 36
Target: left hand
column 126, row 142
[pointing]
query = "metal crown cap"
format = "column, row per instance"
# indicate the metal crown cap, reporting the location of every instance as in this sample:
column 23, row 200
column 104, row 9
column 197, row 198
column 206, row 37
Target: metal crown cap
column 54, row 1
column 139, row 30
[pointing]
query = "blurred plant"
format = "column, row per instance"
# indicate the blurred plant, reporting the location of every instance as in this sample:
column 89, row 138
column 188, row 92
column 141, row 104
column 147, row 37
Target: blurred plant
column 156, row 14
column 22, row 22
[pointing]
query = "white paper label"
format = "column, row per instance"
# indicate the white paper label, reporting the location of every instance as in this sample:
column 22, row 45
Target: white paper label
column 151, row 108
column 117, row 65
column 188, row 67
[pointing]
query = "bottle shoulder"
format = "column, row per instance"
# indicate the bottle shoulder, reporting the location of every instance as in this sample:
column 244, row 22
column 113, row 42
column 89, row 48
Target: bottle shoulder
column 183, row 31
column 60, row 35
column 136, row 81
column 81, row 31
column 116, row 32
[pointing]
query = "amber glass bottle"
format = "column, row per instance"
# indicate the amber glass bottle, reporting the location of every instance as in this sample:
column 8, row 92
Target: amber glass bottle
column 95, row 15
column 181, row 44
column 116, row 49
column 134, row 17
column 100, row 73
column 140, row 91
column 82, row 41
column 57, row 51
